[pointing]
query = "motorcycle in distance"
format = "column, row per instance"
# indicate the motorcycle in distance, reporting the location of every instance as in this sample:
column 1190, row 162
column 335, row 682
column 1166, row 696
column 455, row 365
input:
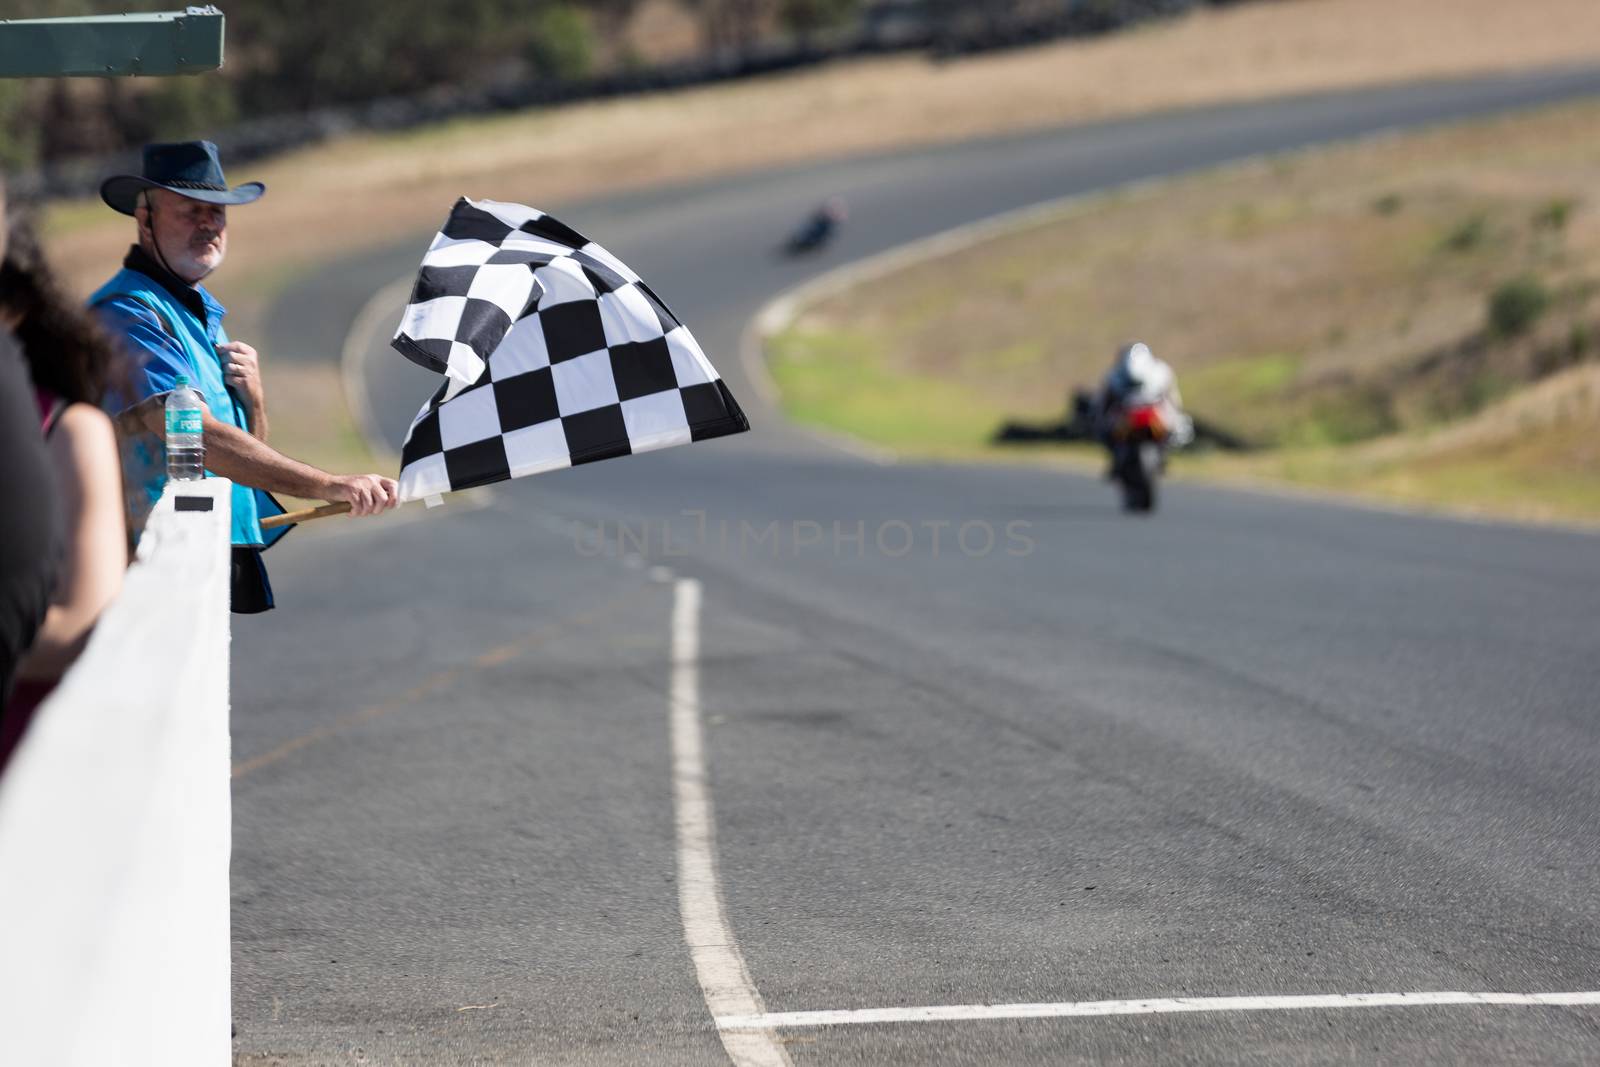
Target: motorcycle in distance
column 1140, row 417
column 1139, row 437
column 818, row 228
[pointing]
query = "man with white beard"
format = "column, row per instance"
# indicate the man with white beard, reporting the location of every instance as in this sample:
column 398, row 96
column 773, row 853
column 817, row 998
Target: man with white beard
column 173, row 327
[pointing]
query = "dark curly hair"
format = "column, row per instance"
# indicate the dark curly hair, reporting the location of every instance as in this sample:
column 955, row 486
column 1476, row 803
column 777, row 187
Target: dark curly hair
column 68, row 352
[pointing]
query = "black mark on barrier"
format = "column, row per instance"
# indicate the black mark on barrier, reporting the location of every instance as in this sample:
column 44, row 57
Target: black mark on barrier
column 192, row 503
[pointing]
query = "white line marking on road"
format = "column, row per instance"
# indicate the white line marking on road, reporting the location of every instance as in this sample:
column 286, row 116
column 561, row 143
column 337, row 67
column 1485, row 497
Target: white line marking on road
column 381, row 310
column 753, row 356
column 768, row 1021
column 724, row 980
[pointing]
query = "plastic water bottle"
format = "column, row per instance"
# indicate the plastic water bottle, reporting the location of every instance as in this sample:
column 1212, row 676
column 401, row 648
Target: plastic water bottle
column 186, row 451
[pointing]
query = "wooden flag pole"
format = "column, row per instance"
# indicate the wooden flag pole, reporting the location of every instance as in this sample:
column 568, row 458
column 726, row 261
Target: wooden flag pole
column 304, row 515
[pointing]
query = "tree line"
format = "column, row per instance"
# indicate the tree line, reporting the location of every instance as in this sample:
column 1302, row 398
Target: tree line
column 292, row 56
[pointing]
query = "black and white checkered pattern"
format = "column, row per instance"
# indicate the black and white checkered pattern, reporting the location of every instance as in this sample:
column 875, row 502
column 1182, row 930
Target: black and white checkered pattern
column 555, row 353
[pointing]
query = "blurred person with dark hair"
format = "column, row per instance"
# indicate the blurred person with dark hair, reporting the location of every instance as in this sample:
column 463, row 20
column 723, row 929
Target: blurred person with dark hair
column 29, row 520
column 72, row 363
column 167, row 320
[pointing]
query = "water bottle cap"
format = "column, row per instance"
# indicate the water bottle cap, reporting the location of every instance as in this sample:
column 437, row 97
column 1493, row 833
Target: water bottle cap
column 183, row 381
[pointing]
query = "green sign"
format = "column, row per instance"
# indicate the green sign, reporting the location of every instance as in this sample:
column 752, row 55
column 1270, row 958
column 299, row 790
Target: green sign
column 103, row 46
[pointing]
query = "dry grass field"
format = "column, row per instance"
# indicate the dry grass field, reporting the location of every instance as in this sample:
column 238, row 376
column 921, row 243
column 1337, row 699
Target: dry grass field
column 1332, row 306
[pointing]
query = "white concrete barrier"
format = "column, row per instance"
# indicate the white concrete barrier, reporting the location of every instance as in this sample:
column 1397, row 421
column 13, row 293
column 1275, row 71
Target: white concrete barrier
column 115, row 828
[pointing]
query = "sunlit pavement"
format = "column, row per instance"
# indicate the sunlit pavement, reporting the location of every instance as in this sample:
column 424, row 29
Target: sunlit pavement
column 971, row 738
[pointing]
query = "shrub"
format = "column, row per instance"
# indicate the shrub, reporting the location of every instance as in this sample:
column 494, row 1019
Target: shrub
column 183, row 108
column 1468, row 234
column 1579, row 340
column 805, row 18
column 1557, row 356
column 1553, row 215
column 1516, row 305
column 562, row 48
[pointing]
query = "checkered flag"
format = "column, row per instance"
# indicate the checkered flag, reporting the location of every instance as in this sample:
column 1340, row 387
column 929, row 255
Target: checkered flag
column 554, row 353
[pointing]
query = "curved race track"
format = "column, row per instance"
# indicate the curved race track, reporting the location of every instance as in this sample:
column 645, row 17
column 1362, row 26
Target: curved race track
column 1255, row 746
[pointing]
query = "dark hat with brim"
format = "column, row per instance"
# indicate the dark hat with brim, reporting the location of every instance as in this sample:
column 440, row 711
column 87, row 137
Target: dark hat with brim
column 188, row 168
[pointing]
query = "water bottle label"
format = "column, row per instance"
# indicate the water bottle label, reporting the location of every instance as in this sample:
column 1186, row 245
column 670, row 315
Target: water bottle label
column 184, row 421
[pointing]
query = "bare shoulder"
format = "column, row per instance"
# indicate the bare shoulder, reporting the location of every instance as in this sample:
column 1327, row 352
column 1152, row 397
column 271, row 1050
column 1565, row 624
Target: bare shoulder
column 84, row 440
column 85, row 426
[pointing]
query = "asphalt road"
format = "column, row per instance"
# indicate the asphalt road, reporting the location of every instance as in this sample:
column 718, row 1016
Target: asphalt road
column 1004, row 746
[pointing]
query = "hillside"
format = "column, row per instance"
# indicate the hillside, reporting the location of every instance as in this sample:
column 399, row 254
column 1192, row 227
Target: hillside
column 1348, row 310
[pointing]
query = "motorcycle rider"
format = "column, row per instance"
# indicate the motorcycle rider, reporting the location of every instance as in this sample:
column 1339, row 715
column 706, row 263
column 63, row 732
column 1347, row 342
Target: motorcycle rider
column 819, row 225
column 1139, row 379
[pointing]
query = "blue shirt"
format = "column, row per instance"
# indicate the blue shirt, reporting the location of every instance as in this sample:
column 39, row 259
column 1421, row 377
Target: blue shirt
column 173, row 329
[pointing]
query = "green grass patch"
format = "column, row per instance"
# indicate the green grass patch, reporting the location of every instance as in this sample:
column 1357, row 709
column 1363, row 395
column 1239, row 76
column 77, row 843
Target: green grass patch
column 837, row 379
column 1240, row 381
column 1256, row 397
